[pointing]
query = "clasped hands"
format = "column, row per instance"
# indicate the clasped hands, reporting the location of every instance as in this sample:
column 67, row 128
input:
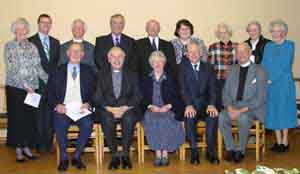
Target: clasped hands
column 164, row 108
column 117, row 111
column 61, row 108
column 234, row 113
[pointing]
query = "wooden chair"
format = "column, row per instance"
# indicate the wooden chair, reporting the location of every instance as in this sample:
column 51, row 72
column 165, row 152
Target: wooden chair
column 258, row 130
column 94, row 147
column 104, row 149
column 201, row 128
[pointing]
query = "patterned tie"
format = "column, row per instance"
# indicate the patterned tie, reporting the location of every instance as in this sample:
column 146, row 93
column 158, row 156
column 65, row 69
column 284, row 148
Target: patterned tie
column 153, row 45
column 117, row 40
column 74, row 73
column 46, row 47
column 195, row 71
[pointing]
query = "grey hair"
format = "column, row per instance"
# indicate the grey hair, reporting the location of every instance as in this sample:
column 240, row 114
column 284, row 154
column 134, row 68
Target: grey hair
column 200, row 48
column 79, row 20
column 76, row 43
column 256, row 23
column 223, row 25
column 281, row 23
column 20, row 21
column 157, row 54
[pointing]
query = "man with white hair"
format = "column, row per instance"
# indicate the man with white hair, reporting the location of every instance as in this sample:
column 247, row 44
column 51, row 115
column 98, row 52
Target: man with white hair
column 79, row 29
column 154, row 43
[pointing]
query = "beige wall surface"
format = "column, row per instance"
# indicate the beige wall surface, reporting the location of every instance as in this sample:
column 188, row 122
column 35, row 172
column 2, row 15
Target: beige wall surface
column 204, row 14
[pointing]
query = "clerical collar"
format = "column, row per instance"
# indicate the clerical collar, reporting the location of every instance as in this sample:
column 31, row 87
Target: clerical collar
column 245, row 64
column 77, row 40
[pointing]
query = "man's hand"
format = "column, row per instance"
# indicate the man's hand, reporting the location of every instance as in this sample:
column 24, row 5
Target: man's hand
column 60, row 108
column 233, row 113
column 190, row 111
column 85, row 106
column 212, row 111
column 29, row 90
column 154, row 108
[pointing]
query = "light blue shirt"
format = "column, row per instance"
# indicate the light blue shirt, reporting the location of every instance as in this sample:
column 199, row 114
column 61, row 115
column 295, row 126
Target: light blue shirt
column 43, row 37
column 71, row 66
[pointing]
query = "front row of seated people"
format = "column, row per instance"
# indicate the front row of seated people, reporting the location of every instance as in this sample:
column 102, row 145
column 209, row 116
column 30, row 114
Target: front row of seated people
column 119, row 97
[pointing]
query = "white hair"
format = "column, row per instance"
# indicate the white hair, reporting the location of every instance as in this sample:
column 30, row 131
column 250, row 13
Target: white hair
column 20, row 22
column 227, row 28
column 281, row 23
column 79, row 20
column 157, row 55
column 256, row 23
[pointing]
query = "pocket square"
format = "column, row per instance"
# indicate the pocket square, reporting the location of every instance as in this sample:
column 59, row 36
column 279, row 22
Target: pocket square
column 253, row 81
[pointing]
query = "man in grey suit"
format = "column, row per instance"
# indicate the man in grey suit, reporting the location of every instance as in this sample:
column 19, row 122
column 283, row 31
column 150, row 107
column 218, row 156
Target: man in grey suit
column 78, row 30
column 244, row 98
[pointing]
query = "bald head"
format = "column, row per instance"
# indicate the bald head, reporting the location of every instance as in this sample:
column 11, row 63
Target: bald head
column 243, row 53
column 152, row 28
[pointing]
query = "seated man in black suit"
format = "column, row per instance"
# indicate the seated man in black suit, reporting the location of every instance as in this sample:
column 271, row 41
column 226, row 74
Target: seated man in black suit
column 72, row 82
column 117, row 98
column 153, row 43
column 197, row 80
column 116, row 38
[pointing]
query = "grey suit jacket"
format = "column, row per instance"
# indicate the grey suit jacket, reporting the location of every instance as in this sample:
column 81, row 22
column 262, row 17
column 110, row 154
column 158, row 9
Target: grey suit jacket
column 88, row 58
column 254, row 96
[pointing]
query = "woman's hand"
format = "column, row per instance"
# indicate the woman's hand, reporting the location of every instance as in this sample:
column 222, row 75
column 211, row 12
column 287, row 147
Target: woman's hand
column 60, row 108
column 154, row 108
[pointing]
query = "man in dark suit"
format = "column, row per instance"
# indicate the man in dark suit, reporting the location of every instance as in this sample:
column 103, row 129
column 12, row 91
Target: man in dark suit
column 153, row 43
column 198, row 89
column 48, row 48
column 117, row 99
column 116, row 38
column 78, row 30
column 71, row 83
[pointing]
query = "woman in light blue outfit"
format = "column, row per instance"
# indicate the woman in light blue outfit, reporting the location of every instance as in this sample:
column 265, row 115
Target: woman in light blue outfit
column 281, row 99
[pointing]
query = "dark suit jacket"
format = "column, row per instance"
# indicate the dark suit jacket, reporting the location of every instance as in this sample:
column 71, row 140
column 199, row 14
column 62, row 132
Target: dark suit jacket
column 258, row 52
column 48, row 66
column 130, row 93
column 198, row 93
column 105, row 43
column 57, row 85
column 169, row 92
column 144, row 52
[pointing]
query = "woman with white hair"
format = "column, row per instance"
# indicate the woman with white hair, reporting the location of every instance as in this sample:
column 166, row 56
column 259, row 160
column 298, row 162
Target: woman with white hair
column 163, row 109
column 278, row 60
column 23, row 71
column 256, row 41
column 221, row 55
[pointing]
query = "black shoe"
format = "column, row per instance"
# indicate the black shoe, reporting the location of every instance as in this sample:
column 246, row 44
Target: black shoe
column 20, row 159
column 275, row 148
column 286, row 148
column 78, row 164
column 126, row 163
column 238, row 157
column 212, row 158
column 195, row 157
column 114, row 163
column 63, row 166
column 230, row 155
column 30, row 157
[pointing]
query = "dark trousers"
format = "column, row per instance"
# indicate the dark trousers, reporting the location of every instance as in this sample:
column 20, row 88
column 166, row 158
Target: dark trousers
column 109, row 123
column 45, row 128
column 61, row 126
column 219, row 85
column 211, row 132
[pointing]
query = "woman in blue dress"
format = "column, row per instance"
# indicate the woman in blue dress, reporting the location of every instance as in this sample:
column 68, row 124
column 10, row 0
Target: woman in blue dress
column 281, row 93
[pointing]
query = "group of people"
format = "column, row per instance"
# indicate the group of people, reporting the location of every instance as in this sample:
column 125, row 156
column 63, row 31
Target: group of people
column 153, row 81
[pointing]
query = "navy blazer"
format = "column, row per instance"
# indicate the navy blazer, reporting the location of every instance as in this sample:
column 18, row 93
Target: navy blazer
column 201, row 92
column 57, row 85
column 169, row 92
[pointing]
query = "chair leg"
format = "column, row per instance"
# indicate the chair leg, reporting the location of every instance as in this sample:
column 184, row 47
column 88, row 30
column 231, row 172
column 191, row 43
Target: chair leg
column 263, row 138
column 139, row 144
column 142, row 145
column 257, row 135
column 97, row 144
column 220, row 145
column 101, row 145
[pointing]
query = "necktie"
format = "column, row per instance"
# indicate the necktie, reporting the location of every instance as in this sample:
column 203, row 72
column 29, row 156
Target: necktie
column 117, row 41
column 154, row 45
column 46, row 47
column 74, row 73
column 195, row 71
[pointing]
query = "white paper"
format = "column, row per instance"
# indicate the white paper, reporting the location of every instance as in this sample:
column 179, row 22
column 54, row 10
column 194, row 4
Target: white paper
column 75, row 112
column 33, row 99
